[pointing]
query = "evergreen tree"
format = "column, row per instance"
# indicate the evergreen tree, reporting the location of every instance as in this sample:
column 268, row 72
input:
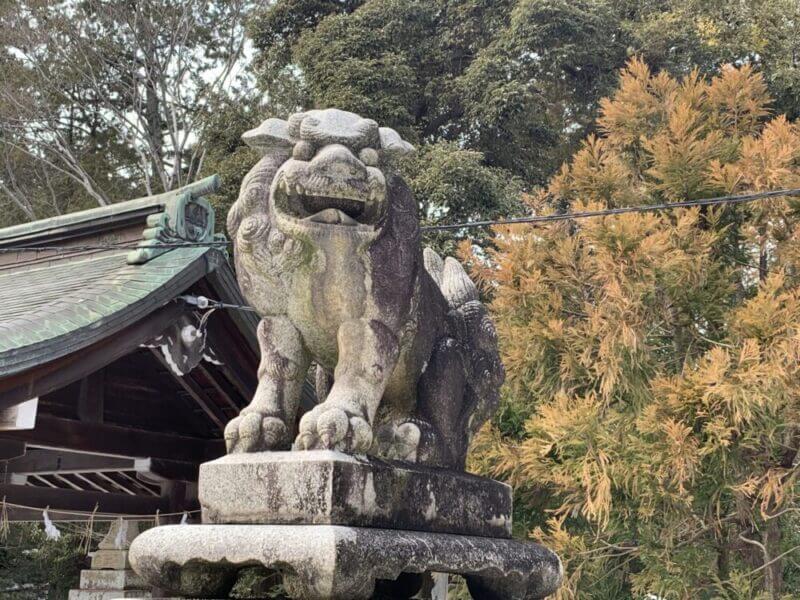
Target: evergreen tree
column 651, row 411
column 499, row 90
column 680, row 35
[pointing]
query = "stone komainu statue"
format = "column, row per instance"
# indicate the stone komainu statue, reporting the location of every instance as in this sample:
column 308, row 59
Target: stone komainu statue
column 327, row 249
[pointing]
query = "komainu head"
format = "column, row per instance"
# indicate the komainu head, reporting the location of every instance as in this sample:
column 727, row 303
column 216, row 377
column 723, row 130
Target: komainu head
column 335, row 175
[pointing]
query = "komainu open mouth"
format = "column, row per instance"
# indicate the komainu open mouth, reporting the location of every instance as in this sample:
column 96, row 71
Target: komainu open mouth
column 332, row 216
column 322, row 209
column 355, row 205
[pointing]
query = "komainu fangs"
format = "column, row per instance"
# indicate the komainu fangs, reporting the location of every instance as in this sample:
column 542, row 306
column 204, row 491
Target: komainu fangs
column 327, row 249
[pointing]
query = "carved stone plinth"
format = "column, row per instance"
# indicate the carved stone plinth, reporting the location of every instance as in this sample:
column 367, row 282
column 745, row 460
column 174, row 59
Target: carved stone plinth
column 331, row 488
column 330, row 562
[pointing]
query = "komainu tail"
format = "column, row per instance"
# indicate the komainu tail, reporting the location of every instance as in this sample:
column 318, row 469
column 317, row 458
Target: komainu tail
column 475, row 332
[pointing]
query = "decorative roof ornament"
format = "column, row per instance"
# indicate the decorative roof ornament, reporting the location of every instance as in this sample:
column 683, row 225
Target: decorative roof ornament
column 187, row 217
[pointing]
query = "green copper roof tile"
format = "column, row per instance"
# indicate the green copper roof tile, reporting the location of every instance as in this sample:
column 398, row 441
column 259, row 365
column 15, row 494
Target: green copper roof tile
column 105, row 214
column 52, row 309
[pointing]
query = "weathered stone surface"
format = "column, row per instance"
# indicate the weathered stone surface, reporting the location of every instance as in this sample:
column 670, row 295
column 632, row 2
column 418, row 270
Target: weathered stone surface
column 327, row 247
column 328, row 487
column 328, row 562
column 106, row 579
column 106, row 594
column 110, row 559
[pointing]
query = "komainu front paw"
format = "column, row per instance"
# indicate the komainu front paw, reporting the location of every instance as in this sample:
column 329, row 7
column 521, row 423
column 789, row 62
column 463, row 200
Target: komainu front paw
column 334, row 427
column 255, row 431
column 398, row 441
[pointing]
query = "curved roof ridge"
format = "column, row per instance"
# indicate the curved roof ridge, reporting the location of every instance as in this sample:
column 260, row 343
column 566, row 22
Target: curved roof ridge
column 18, row 234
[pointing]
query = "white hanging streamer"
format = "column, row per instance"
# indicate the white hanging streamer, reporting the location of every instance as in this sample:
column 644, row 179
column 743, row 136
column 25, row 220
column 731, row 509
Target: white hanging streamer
column 50, row 530
column 185, row 519
column 122, row 532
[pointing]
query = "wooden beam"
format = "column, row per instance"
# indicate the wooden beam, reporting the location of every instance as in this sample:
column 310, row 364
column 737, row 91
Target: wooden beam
column 11, row 449
column 43, row 462
column 138, row 485
column 66, row 499
column 66, row 481
column 20, row 416
column 43, row 480
column 223, row 387
column 198, row 394
column 115, row 483
column 159, row 470
column 91, row 397
column 90, row 483
column 115, row 440
column 45, row 378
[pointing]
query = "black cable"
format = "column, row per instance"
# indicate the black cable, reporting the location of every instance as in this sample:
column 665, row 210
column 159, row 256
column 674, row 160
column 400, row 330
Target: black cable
column 204, row 303
column 468, row 225
column 619, row 211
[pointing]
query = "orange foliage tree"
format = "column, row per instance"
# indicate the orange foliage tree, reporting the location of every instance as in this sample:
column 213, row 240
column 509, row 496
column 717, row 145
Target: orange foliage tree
column 651, row 417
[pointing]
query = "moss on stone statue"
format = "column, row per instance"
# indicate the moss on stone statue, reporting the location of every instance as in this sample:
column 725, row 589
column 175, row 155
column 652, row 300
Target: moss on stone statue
column 258, row 582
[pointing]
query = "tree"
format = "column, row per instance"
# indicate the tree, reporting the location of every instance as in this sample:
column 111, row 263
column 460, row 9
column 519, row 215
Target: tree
column 651, row 410
column 505, row 86
column 680, row 35
column 104, row 99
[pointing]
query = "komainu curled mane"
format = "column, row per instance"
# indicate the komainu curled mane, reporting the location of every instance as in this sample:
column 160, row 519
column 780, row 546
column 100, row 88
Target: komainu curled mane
column 327, row 249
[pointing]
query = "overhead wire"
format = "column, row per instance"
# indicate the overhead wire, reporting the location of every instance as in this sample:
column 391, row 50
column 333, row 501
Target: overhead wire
column 533, row 219
column 586, row 214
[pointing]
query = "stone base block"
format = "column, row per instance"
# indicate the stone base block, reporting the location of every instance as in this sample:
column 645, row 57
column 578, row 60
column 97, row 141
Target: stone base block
column 332, row 488
column 329, row 562
column 106, row 594
column 111, row 559
column 95, row 579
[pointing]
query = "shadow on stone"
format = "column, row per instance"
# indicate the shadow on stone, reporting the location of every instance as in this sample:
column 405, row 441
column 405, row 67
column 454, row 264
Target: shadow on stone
column 258, row 582
column 200, row 579
column 404, row 587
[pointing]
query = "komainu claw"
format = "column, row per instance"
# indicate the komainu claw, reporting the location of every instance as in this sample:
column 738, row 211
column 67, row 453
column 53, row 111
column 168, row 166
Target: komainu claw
column 255, row 431
column 330, row 427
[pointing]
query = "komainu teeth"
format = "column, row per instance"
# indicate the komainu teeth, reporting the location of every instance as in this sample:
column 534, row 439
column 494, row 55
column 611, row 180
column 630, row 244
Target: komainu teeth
column 299, row 189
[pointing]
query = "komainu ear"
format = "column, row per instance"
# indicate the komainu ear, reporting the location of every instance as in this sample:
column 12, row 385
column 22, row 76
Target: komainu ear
column 271, row 136
column 392, row 143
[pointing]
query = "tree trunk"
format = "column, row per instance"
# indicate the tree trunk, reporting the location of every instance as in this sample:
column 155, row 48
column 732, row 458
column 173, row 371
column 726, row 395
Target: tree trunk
column 773, row 573
column 153, row 119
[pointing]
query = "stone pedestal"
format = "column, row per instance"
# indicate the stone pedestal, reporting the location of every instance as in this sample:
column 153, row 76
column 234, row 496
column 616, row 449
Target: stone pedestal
column 324, row 487
column 332, row 562
column 111, row 575
column 339, row 527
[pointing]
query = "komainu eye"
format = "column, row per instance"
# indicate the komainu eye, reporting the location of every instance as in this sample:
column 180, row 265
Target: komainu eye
column 303, row 151
column 369, row 156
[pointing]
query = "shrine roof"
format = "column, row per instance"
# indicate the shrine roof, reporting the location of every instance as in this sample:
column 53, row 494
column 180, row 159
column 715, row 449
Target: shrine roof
column 105, row 407
column 50, row 310
column 71, row 281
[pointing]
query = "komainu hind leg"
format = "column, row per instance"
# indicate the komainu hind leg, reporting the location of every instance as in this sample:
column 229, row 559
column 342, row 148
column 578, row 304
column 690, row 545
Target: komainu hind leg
column 323, row 381
column 436, row 434
column 267, row 423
